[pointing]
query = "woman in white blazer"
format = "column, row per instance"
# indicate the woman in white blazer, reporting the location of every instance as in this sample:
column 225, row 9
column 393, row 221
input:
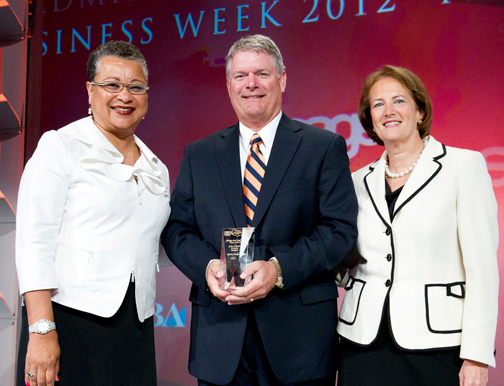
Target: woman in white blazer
column 421, row 308
column 93, row 201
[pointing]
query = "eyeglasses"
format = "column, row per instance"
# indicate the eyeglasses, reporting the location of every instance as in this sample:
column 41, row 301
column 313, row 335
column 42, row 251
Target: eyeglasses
column 117, row 87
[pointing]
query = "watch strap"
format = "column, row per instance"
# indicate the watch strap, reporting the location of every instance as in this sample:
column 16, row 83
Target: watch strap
column 279, row 283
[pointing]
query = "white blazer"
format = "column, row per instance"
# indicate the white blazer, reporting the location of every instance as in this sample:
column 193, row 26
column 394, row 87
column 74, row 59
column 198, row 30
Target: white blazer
column 84, row 226
column 437, row 259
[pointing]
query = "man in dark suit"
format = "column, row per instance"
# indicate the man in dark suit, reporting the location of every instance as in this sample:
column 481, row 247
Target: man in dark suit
column 280, row 329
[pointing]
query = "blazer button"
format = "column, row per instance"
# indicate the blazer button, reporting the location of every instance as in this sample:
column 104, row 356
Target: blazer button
column 389, row 257
column 387, row 232
column 387, row 283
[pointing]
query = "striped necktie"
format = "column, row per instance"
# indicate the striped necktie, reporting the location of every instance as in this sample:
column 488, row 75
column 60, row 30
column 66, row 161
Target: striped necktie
column 253, row 176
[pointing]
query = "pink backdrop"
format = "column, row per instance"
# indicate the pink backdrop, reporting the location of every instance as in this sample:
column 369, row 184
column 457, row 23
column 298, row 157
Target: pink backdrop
column 329, row 46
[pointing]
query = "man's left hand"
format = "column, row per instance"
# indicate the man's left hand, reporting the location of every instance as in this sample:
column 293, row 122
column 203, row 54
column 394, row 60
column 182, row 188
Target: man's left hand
column 265, row 277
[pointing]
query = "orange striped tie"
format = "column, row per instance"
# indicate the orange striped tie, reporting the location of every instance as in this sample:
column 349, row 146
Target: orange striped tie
column 253, row 176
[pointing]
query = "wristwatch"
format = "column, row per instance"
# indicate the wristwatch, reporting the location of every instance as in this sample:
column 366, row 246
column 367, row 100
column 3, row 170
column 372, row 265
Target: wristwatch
column 42, row 326
column 279, row 283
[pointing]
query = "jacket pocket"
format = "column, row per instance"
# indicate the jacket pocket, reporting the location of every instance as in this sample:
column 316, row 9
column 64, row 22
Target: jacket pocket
column 297, row 185
column 351, row 302
column 200, row 297
column 444, row 304
column 75, row 267
column 319, row 293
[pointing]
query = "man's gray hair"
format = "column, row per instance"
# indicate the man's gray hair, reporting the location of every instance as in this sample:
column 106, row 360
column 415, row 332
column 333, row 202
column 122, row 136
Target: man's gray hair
column 258, row 43
column 117, row 49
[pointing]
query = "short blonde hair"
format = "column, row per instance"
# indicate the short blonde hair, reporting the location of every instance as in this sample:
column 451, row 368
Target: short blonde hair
column 258, row 43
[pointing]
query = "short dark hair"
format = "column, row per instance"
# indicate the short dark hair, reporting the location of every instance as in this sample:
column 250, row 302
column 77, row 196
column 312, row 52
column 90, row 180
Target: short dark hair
column 412, row 83
column 118, row 49
column 258, row 43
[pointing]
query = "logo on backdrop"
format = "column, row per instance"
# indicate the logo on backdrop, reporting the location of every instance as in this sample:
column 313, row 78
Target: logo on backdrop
column 494, row 156
column 357, row 134
column 170, row 318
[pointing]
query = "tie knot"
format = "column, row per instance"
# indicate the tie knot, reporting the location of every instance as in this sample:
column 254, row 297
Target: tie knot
column 255, row 140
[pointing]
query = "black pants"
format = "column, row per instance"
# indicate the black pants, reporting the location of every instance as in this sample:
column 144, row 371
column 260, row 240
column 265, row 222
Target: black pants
column 254, row 368
column 98, row 351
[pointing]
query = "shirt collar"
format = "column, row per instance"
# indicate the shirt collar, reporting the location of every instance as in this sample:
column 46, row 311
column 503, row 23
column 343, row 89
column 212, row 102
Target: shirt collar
column 267, row 133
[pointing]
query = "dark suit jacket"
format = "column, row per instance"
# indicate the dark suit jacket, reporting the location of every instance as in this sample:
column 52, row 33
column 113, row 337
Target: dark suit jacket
column 305, row 217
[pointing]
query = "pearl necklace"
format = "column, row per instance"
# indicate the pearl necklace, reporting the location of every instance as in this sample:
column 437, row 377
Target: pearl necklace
column 407, row 171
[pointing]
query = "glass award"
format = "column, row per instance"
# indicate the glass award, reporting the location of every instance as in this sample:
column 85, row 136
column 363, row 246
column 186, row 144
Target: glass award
column 237, row 251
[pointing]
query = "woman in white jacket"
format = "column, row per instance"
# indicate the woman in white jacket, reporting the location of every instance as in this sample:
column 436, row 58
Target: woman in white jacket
column 421, row 308
column 93, row 201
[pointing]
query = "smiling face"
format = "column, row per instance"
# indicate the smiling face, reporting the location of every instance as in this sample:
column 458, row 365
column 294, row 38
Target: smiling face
column 255, row 89
column 394, row 112
column 117, row 113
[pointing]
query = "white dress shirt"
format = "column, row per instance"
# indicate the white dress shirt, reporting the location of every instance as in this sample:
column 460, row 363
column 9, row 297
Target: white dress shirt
column 85, row 226
column 267, row 134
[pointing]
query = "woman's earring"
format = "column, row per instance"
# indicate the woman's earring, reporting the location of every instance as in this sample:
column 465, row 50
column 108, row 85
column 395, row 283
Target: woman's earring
column 89, row 110
column 419, row 122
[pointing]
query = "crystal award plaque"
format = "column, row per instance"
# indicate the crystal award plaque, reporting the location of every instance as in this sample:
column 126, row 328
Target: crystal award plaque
column 237, row 251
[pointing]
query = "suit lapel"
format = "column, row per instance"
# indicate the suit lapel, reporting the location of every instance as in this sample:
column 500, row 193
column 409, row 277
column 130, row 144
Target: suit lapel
column 227, row 152
column 426, row 169
column 375, row 185
column 285, row 145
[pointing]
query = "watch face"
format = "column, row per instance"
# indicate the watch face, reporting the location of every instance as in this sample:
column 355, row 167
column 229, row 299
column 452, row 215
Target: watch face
column 43, row 327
